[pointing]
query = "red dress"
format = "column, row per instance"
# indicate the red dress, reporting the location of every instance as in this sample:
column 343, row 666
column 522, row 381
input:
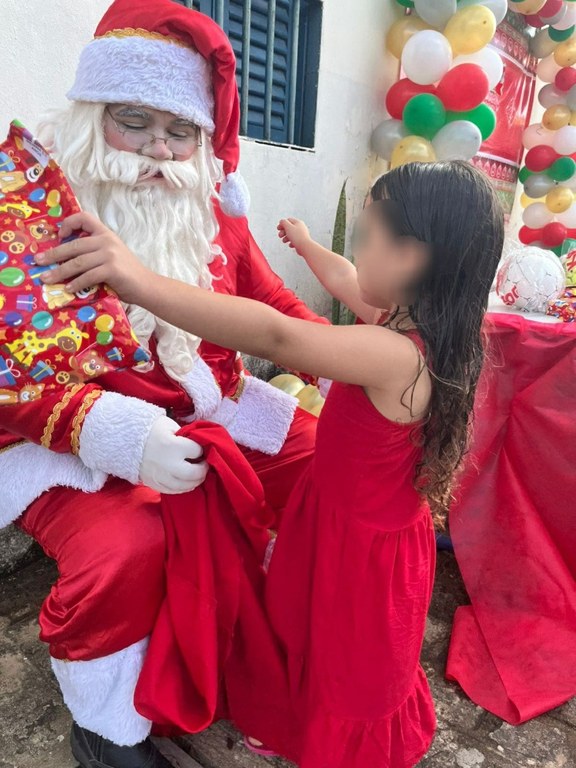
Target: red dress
column 348, row 591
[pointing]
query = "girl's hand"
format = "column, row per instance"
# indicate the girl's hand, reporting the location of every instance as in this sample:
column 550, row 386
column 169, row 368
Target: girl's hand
column 99, row 258
column 294, row 233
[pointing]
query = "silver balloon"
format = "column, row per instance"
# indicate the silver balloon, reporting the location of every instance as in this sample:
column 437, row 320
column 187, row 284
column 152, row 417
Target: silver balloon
column 549, row 96
column 537, row 185
column 459, row 140
column 498, row 7
column 385, row 137
column 435, row 12
column 571, row 99
column 542, row 45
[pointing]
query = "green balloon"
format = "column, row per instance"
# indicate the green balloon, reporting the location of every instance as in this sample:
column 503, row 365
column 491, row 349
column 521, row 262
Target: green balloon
column 424, row 115
column 483, row 117
column 559, row 35
column 557, row 250
column 406, row 3
column 524, row 174
column 562, row 169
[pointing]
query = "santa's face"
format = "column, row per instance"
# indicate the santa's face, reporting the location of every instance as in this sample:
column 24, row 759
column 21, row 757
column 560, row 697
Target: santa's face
column 150, row 178
column 150, row 132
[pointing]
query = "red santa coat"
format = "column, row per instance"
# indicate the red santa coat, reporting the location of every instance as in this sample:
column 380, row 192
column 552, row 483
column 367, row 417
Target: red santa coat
column 78, row 436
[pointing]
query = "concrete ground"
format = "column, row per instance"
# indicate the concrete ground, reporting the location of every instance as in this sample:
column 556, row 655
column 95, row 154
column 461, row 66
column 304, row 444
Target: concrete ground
column 34, row 724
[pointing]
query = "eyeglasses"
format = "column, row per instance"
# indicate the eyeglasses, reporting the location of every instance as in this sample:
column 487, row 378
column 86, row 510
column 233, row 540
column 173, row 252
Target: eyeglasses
column 139, row 139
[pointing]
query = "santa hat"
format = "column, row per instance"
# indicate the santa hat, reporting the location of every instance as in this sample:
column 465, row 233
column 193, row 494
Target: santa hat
column 159, row 54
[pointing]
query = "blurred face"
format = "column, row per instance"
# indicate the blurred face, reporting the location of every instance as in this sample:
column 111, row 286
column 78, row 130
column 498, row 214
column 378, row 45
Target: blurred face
column 150, row 132
column 388, row 266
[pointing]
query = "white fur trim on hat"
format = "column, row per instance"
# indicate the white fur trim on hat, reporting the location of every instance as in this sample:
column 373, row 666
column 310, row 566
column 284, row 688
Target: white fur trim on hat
column 100, row 694
column 234, row 195
column 154, row 73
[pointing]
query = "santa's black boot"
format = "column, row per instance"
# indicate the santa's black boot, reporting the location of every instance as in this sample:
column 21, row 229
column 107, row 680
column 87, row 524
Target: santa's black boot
column 93, row 751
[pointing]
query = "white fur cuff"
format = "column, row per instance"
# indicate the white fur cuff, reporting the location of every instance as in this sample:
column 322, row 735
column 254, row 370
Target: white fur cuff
column 262, row 417
column 234, row 195
column 100, row 694
column 29, row 470
column 115, row 433
column 203, row 388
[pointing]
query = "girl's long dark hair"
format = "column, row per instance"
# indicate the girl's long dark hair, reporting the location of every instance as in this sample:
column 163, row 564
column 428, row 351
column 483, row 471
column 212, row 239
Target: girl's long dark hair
column 454, row 209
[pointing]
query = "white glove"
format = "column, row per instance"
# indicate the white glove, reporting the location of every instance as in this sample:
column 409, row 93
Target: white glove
column 165, row 466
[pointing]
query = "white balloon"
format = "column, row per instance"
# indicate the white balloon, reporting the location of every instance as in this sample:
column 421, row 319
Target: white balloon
column 386, row 135
column 571, row 99
column 536, row 134
column 459, row 140
column 568, row 218
column 549, row 96
column 498, row 7
column 537, row 216
column 542, row 45
column 489, row 60
column 569, row 19
column 565, row 140
column 426, row 57
column 435, row 12
column 547, row 69
column 537, row 185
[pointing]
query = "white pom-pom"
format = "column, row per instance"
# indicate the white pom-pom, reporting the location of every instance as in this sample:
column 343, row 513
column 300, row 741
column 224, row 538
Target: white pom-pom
column 234, row 195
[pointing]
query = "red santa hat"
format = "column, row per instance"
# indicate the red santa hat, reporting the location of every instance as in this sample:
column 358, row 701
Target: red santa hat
column 159, row 54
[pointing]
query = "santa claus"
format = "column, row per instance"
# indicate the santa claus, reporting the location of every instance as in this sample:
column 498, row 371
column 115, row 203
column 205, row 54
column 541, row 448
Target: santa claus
column 150, row 145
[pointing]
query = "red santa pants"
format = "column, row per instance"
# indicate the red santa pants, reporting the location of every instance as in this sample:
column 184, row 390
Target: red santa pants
column 109, row 547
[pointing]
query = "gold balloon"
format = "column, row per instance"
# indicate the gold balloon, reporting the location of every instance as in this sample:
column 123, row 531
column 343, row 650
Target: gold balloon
column 401, row 31
column 527, row 7
column 470, row 29
column 565, row 53
column 525, row 201
column 289, row 383
column 559, row 199
column 311, row 400
column 573, row 118
column 412, row 149
column 556, row 117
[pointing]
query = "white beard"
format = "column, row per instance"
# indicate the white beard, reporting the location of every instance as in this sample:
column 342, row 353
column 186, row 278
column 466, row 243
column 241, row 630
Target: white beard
column 168, row 223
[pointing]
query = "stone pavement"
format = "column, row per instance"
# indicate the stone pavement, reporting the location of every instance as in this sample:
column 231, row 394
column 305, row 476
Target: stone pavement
column 34, row 724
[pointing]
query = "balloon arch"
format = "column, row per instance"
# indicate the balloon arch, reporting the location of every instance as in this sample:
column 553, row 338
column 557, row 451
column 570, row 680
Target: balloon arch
column 437, row 111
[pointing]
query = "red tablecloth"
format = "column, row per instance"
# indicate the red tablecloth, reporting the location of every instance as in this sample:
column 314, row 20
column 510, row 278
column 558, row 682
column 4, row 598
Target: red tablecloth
column 513, row 650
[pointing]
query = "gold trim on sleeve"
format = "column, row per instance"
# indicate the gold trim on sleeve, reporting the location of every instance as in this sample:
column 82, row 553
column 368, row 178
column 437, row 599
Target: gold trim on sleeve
column 78, row 422
column 48, row 433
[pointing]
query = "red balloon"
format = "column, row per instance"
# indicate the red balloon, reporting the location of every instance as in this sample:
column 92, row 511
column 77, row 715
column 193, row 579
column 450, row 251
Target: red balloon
column 554, row 234
column 401, row 93
column 550, row 9
column 534, row 20
column 464, row 87
column 540, row 158
column 527, row 236
column 565, row 79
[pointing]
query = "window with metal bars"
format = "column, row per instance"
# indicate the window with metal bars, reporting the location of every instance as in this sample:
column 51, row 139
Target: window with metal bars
column 277, row 47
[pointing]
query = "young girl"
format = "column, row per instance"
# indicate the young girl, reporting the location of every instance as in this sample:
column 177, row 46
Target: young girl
column 351, row 578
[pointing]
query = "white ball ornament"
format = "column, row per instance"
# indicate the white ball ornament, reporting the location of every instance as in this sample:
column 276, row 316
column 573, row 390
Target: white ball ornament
column 530, row 278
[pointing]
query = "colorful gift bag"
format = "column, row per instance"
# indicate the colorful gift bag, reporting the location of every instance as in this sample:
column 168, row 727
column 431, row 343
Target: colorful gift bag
column 49, row 338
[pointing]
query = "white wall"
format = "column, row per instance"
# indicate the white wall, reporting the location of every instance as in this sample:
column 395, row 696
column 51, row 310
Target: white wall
column 40, row 41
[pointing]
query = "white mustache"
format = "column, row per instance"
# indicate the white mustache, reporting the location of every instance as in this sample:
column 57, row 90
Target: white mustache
column 129, row 168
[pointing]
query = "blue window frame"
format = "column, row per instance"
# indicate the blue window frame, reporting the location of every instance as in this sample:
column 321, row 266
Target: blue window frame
column 277, row 46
